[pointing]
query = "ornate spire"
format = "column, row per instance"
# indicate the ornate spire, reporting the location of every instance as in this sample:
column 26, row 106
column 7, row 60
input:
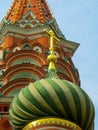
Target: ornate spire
column 21, row 7
column 52, row 57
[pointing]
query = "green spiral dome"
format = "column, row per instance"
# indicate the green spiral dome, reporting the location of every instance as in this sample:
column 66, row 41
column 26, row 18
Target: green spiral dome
column 52, row 98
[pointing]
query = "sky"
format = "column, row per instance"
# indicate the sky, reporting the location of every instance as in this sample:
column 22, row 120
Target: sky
column 78, row 21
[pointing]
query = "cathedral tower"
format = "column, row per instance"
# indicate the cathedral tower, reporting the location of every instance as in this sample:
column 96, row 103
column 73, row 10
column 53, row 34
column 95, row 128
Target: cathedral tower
column 24, row 47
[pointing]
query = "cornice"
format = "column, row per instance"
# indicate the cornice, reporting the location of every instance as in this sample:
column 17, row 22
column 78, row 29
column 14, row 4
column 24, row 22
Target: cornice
column 69, row 46
column 6, row 99
column 34, row 33
column 15, row 31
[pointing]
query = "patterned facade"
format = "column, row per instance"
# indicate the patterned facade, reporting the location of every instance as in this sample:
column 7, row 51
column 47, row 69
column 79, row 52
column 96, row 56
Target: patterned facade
column 24, row 47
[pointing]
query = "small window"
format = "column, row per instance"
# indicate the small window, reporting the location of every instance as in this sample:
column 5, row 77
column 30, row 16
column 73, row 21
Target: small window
column 2, row 71
column 38, row 49
column 5, row 108
column 56, row 53
column 16, row 49
column 26, row 47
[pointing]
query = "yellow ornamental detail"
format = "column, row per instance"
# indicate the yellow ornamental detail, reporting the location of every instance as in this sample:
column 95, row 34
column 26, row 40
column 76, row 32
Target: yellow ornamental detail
column 52, row 57
column 52, row 121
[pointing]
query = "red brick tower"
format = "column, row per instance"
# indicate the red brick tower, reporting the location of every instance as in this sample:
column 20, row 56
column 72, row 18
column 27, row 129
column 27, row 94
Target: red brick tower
column 24, row 47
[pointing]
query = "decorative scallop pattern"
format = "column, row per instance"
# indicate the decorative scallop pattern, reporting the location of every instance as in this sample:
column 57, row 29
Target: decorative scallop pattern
column 16, row 49
column 52, row 98
column 57, row 54
column 38, row 49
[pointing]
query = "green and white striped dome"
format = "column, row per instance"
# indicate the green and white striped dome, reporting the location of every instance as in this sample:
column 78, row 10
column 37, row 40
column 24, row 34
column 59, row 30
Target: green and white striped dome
column 52, row 98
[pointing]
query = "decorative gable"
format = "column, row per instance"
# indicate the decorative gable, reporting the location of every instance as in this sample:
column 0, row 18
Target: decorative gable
column 29, row 20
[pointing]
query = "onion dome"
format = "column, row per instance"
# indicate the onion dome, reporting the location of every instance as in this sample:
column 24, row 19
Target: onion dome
column 52, row 98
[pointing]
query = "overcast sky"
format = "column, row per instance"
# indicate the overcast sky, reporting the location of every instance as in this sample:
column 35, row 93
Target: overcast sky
column 78, row 20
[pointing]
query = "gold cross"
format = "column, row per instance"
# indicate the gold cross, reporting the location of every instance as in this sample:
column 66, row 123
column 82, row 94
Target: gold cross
column 52, row 38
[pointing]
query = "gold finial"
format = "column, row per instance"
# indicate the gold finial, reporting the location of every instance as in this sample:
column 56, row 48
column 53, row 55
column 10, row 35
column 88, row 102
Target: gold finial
column 52, row 57
column 52, row 37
